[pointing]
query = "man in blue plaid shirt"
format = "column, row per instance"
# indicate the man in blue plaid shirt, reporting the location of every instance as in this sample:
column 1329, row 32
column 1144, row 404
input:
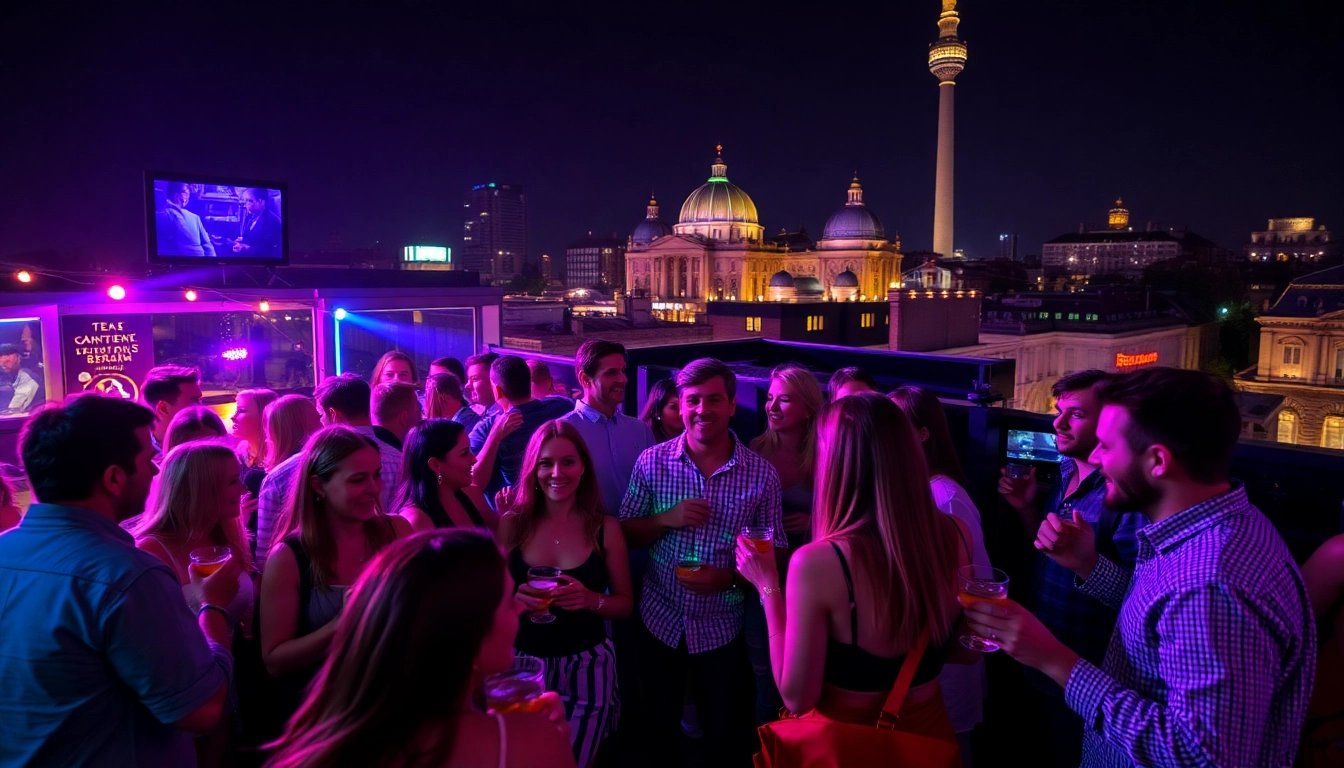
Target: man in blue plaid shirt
column 1214, row 651
column 689, row 498
column 1078, row 621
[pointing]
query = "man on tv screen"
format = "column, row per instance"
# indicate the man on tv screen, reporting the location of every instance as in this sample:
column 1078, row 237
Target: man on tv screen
column 181, row 232
column 261, row 226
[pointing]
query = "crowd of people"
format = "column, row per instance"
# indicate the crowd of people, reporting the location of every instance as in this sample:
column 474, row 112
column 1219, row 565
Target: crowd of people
column 380, row 543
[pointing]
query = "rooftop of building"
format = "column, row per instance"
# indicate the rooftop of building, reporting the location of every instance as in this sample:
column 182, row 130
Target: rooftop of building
column 1111, row 310
column 1114, row 236
column 1313, row 295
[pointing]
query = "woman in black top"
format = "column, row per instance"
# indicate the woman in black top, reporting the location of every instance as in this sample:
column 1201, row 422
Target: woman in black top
column 436, row 476
column 556, row 519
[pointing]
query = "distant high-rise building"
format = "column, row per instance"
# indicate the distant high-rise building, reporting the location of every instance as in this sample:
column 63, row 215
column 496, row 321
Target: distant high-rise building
column 1119, row 249
column 1008, row 246
column 947, row 57
column 595, row 261
column 494, row 233
column 546, row 267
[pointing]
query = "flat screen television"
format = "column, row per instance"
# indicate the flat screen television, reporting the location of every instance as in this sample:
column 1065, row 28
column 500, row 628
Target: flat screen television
column 1025, row 445
column 194, row 219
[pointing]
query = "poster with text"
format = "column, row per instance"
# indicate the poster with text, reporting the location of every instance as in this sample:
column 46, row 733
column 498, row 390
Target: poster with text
column 109, row 354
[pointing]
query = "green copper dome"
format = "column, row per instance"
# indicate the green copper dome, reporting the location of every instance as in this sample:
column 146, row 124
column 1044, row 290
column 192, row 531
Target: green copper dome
column 718, row 200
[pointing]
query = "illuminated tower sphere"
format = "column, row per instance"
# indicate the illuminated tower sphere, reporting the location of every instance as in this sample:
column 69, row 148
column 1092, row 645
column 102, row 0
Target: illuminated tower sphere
column 1119, row 216
column 947, row 57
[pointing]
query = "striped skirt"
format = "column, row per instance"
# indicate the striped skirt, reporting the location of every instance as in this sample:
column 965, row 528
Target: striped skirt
column 586, row 683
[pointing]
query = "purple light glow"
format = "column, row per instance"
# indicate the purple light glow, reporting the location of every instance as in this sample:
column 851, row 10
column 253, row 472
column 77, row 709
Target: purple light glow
column 235, row 354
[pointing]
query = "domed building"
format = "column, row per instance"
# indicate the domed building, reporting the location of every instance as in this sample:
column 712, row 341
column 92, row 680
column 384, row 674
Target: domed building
column 717, row 251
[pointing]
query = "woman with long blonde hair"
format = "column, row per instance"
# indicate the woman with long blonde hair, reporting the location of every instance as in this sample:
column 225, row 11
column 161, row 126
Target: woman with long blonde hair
column 556, row 520
column 249, row 424
column 878, row 581
column 332, row 528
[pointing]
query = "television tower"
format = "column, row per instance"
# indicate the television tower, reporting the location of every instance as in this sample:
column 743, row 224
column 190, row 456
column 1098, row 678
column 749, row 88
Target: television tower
column 947, row 57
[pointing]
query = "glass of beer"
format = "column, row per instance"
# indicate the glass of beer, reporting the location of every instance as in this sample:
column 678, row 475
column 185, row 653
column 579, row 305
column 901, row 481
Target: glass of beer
column 518, row 688
column 540, row 582
column 210, row 559
column 688, row 564
column 981, row 584
column 761, row 538
column 1018, row 471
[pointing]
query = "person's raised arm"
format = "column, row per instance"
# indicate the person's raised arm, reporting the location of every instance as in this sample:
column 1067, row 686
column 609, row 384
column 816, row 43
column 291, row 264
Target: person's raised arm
column 1020, row 495
column 486, row 438
column 281, row 651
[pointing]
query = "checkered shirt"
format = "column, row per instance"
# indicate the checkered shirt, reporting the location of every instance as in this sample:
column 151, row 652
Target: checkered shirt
column 743, row 492
column 1214, row 652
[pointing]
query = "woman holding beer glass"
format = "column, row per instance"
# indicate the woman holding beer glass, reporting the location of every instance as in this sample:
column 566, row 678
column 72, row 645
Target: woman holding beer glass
column 437, row 490
column 557, row 522
column 842, row 628
column 425, row 624
column 329, row 533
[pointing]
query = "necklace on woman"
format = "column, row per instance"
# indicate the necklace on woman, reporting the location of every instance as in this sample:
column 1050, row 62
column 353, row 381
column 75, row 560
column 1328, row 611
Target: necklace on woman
column 564, row 531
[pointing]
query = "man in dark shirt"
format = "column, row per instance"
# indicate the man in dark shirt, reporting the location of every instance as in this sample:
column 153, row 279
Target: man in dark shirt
column 1081, row 623
column 500, row 439
column 263, row 232
column 101, row 661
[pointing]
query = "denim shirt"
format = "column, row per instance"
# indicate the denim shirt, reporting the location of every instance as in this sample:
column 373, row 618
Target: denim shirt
column 99, row 654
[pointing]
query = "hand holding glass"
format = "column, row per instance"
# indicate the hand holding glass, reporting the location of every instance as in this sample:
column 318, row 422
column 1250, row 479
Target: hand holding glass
column 761, row 538
column 210, row 559
column 981, row 584
column 540, row 582
column 518, row 688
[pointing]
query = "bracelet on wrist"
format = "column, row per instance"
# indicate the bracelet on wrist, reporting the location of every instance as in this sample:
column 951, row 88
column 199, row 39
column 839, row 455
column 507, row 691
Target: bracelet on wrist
column 601, row 601
column 768, row 591
column 207, row 607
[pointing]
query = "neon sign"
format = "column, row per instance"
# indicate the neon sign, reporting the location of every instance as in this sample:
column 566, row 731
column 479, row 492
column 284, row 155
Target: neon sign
column 1131, row 361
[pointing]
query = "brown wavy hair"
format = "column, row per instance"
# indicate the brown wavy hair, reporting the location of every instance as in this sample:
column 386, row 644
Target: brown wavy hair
column 872, row 491
column 322, row 456
column 529, row 504
column 401, row 659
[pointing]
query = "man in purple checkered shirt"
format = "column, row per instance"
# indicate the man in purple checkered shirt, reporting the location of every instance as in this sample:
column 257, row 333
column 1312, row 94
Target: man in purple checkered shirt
column 1214, row 651
column 691, row 496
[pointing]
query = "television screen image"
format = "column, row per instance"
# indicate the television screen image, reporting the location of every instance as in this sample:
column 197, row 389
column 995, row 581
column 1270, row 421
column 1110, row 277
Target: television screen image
column 210, row 220
column 22, row 370
column 1024, row 445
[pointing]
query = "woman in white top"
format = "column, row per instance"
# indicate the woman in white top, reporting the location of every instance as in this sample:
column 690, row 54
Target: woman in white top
column 431, row 617
column 964, row 687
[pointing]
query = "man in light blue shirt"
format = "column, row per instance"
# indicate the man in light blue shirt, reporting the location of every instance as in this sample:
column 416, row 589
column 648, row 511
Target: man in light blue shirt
column 180, row 232
column 101, row 660
column 614, row 439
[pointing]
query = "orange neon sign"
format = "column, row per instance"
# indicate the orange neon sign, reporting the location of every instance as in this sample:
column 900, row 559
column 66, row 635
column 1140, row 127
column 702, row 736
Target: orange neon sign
column 1130, row 361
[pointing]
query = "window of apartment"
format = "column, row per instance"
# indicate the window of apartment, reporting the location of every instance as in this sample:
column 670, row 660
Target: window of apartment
column 1073, row 315
column 814, row 322
column 1339, row 366
column 754, row 324
column 1059, row 315
column 1332, row 435
column 1292, row 355
column 867, row 320
column 1043, row 316
column 1287, row 427
column 1091, row 317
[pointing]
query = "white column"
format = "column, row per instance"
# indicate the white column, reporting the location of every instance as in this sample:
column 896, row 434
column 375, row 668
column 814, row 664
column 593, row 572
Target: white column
column 942, row 189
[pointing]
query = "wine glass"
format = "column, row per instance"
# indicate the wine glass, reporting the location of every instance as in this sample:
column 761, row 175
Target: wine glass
column 981, row 584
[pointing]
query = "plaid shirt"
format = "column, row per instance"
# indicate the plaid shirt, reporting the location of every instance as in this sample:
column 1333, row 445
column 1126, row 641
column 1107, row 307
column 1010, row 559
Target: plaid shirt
column 1078, row 621
column 1214, row 654
column 743, row 492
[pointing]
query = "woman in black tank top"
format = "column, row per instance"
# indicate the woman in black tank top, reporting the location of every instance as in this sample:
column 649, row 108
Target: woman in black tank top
column 437, row 490
column 556, row 520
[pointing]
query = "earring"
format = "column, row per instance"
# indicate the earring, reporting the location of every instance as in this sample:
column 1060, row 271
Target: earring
column 440, row 478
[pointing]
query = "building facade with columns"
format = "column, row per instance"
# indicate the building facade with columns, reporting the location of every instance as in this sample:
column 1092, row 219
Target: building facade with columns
column 717, row 251
column 1302, row 360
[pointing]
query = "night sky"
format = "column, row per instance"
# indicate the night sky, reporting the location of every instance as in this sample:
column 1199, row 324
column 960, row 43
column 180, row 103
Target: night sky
column 1209, row 115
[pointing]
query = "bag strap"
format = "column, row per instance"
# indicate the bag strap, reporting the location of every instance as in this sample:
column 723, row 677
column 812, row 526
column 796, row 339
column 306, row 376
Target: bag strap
column 892, row 709
column 853, row 607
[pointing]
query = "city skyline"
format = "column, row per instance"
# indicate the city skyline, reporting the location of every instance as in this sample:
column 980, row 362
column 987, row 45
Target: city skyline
column 381, row 134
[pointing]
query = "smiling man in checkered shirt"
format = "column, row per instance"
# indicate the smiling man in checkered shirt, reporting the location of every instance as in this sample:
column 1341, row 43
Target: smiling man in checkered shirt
column 1213, row 655
column 693, row 495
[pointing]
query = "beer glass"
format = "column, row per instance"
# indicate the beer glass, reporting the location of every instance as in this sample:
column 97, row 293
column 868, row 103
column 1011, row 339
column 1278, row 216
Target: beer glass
column 541, row 581
column 210, row 559
column 518, row 688
column 761, row 538
column 981, row 584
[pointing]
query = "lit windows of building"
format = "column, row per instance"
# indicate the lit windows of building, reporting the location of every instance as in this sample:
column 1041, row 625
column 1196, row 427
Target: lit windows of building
column 1298, row 240
column 868, row 320
column 754, row 324
column 1287, row 427
column 815, row 322
column 1332, row 432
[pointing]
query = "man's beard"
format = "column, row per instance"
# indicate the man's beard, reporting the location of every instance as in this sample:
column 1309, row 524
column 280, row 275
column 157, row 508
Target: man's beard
column 1130, row 491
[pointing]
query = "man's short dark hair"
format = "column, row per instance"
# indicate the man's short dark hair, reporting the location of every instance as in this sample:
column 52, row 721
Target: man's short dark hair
column 486, row 358
column 697, row 372
column 392, row 398
column 259, row 194
column 66, row 447
column 451, row 365
column 165, row 382
column 10, row 349
column 1079, row 381
column 539, row 368
column 175, row 187
column 1192, row 413
column 348, row 394
column 512, row 375
column 846, row 375
column 591, row 352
